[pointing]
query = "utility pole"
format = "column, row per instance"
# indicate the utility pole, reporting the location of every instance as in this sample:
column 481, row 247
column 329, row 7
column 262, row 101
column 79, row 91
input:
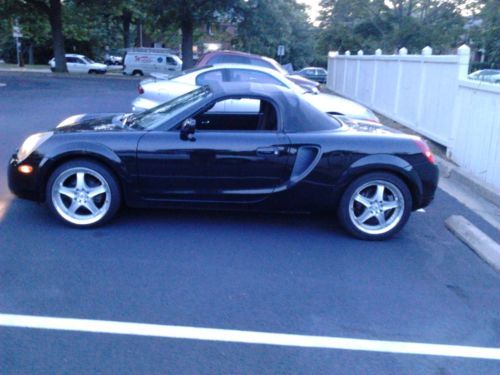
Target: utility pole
column 16, row 33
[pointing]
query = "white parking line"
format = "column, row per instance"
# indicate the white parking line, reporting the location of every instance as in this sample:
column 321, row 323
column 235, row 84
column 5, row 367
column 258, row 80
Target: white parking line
column 4, row 205
column 3, row 84
column 247, row 337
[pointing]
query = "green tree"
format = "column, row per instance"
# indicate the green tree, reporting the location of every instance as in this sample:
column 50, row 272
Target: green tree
column 52, row 9
column 265, row 24
column 186, row 15
column 390, row 24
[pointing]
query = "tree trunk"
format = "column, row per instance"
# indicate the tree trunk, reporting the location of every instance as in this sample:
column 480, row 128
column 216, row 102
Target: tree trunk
column 31, row 60
column 55, row 18
column 126, row 21
column 187, row 43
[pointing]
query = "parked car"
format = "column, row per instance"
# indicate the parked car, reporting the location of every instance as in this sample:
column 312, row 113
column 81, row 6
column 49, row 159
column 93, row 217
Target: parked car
column 155, row 91
column 313, row 73
column 236, row 57
column 113, row 60
column 288, row 156
column 141, row 61
column 80, row 64
column 487, row 75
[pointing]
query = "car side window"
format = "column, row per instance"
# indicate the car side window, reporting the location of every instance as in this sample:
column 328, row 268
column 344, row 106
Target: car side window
column 262, row 63
column 240, row 115
column 170, row 61
column 71, row 60
column 245, row 75
column 208, row 77
column 229, row 59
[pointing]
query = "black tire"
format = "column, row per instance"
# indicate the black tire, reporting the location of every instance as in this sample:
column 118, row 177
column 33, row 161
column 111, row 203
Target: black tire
column 92, row 71
column 137, row 73
column 390, row 220
column 96, row 177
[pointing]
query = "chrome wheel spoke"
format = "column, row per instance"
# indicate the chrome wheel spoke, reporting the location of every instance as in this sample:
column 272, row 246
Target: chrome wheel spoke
column 390, row 205
column 363, row 200
column 90, row 205
column 93, row 192
column 74, row 207
column 80, row 180
column 381, row 219
column 367, row 214
column 68, row 192
column 379, row 194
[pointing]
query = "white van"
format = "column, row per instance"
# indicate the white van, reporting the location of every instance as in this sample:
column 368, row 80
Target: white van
column 141, row 61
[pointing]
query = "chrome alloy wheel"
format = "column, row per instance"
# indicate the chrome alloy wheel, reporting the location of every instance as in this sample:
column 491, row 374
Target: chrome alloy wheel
column 81, row 196
column 376, row 207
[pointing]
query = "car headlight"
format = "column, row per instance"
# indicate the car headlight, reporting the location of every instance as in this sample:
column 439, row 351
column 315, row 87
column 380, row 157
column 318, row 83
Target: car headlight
column 31, row 144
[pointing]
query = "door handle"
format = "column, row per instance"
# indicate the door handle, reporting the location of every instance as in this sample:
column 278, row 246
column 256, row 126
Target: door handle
column 268, row 151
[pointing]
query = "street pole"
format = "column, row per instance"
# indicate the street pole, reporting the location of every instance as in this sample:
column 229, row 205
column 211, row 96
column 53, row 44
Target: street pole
column 18, row 54
column 140, row 33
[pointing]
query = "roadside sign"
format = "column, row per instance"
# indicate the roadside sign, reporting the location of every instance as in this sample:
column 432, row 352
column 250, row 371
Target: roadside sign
column 16, row 32
column 281, row 50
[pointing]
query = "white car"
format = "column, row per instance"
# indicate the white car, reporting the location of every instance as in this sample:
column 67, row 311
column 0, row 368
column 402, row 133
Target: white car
column 487, row 75
column 80, row 64
column 161, row 88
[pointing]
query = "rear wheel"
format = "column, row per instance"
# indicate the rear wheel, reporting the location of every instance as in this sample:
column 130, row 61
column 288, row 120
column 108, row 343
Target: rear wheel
column 83, row 193
column 375, row 206
column 137, row 73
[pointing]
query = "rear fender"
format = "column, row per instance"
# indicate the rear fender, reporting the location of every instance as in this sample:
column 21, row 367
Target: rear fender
column 384, row 163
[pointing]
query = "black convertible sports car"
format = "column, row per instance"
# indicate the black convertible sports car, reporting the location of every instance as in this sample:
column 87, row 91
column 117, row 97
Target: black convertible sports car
column 286, row 156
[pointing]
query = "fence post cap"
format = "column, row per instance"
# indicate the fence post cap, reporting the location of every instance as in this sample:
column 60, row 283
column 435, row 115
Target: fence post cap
column 427, row 51
column 333, row 53
column 403, row 51
column 348, row 53
column 464, row 49
column 360, row 52
column 378, row 52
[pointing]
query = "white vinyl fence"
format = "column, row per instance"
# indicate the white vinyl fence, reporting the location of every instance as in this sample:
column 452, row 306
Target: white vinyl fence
column 431, row 95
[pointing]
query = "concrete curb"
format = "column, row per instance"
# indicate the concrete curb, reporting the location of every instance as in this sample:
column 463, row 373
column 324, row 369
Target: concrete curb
column 478, row 241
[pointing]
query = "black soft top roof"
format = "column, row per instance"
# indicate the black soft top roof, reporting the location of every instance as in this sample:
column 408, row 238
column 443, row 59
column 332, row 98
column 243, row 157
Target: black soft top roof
column 298, row 115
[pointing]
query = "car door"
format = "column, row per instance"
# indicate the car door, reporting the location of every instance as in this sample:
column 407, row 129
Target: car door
column 71, row 64
column 81, row 65
column 228, row 162
column 171, row 64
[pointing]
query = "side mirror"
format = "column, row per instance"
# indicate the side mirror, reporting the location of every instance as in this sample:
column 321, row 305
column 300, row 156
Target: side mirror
column 187, row 129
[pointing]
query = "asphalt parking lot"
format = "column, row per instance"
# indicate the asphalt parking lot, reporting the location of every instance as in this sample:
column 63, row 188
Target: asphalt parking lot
column 291, row 274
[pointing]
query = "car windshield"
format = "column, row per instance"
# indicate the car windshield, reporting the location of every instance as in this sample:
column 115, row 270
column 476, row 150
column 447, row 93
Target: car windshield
column 156, row 116
column 276, row 65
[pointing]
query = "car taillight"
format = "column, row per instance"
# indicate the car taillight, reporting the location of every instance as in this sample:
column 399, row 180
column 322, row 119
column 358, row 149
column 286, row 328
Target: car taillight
column 426, row 150
column 140, row 89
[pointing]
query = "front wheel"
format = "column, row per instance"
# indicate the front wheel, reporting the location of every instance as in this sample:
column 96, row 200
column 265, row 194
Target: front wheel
column 375, row 206
column 83, row 193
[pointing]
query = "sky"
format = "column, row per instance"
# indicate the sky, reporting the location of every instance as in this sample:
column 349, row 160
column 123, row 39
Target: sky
column 313, row 8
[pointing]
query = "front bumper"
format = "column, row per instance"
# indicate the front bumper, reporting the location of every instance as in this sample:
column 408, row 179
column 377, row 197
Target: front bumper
column 25, row 186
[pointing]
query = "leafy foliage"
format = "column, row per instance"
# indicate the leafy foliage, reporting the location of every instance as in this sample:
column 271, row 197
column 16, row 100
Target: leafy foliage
column 390, row 25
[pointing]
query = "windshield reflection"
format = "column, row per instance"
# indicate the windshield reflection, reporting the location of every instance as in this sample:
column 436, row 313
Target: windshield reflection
column 156, row 116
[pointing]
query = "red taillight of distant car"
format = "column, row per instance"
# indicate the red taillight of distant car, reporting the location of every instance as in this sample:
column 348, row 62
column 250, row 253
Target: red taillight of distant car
column 140, row 89
column 426, row 150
